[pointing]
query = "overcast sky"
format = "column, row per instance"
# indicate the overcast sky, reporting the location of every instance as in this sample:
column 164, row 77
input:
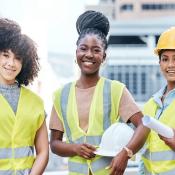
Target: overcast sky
column 51, row 23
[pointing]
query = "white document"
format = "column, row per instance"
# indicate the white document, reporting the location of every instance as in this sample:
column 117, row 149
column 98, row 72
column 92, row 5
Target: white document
column 157, row 126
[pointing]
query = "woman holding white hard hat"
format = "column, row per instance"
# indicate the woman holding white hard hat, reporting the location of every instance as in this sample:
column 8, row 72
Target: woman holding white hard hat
column 85, row 108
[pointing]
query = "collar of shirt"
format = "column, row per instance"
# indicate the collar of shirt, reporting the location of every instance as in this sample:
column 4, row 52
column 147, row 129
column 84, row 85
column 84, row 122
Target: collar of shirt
column 167, row 99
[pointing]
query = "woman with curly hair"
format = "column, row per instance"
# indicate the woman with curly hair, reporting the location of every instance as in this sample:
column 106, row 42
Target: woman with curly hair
column 85, row 108
column 22, row 120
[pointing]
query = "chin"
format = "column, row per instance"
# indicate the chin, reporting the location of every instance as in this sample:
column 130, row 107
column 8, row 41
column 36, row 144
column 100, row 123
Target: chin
column 171, row 80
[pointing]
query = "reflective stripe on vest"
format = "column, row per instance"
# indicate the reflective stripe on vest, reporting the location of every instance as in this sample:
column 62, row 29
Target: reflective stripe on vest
column 93, row 140
column 78, row 168
column 64, row 102
column 159, row 156
column 101, row 163
column 17, row 172
column 106, row 104
column 26, row 151
column 171, row 172
column 83, row 168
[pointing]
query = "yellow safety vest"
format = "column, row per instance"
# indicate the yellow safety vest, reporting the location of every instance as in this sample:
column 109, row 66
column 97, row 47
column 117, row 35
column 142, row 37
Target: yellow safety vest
column 17, row 133
column 159, row 158
column 103, row 112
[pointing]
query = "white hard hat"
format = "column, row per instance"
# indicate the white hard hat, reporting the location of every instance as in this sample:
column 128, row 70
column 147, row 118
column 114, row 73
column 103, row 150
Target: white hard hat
column 114, row 139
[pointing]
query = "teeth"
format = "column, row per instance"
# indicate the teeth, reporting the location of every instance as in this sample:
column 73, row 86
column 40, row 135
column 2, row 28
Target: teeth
column 88, row 63
column 171, row 71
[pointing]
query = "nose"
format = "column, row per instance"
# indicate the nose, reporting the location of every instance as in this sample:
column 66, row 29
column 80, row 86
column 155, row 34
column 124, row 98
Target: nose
column 11, row 61
column 171, row 63
column 89, row 54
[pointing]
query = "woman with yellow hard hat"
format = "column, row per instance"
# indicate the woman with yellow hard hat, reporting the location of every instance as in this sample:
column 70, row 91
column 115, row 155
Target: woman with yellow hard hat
column 159, row 155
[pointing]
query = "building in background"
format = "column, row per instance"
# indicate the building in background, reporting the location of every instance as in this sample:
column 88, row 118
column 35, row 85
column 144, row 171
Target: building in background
column 135, row 28
column 135, row 9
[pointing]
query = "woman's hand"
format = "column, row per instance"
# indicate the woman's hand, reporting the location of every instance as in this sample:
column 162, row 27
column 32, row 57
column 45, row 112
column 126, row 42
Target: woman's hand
column 85, row 150
column 169, row 141
column 119, row 163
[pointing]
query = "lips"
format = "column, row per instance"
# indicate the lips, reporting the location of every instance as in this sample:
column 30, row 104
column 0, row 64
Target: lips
column 171, row 71
column 88, row 62
column 9, row 70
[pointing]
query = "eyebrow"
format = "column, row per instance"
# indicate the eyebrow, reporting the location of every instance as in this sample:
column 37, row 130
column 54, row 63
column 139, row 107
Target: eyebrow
column 167, row 55
column 92, row 46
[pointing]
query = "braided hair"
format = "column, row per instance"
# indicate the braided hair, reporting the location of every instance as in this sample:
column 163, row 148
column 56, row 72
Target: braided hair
column 92, row 22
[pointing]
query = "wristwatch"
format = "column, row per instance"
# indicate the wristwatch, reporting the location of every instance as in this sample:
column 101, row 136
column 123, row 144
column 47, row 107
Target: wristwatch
column 129, row 152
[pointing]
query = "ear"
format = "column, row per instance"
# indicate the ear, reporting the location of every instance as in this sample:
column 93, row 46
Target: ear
column 104, row 56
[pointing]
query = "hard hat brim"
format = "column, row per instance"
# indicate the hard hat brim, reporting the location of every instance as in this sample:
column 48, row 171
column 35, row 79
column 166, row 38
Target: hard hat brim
column 106, row 153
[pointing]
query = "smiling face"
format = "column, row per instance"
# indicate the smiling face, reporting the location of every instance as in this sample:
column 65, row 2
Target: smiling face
column 167, row 65
column 10, row 67
column 90, row 54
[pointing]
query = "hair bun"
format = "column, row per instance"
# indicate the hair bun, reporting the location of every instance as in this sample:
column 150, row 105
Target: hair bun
column 93, row 19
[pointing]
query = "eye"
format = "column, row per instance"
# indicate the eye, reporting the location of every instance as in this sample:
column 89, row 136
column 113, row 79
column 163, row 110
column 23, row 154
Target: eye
column 82, row 48
column 5, row 54
column 97, row 50
column 164, row 59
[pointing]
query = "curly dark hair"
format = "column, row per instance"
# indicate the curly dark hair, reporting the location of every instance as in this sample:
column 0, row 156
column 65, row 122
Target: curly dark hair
column 23, row 47
column 93, row 22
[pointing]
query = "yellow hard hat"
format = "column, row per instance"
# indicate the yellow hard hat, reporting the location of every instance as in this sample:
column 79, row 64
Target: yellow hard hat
column 166, row 40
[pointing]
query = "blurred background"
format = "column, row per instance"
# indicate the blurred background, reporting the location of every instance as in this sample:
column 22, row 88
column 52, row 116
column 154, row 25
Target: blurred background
column 135, row 28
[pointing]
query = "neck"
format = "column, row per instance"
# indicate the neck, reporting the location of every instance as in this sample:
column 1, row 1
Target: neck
column 8, row 86
column 87, row 81
column 7, row 82
column 170, row 86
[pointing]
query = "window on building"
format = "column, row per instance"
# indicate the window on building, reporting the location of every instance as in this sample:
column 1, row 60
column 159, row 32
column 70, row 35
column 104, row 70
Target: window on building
column 127, row 40
column 127, row 80
column 143, row 83
column 111, row 76
column 126, row 7
column 141, row 80
column 134, row 83
column 119, row 77
column 157, row 38
column 158, row 75
column 159, row 6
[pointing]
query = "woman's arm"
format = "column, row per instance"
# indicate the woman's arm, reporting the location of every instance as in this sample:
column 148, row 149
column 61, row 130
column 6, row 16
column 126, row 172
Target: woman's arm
column 140, row 134
column 119, row 163
column 42, row 151
column 65, row 149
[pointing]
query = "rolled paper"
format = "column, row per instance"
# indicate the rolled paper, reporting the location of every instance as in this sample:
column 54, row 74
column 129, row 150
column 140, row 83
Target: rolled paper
column 158, row 127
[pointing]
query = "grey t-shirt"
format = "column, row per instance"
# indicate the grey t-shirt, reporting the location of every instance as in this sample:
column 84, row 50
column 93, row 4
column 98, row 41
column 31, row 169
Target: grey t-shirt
column 11, row 94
